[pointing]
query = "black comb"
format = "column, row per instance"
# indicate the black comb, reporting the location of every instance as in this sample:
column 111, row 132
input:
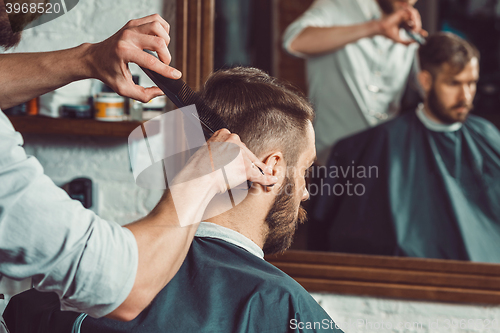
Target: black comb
column 182, row 95
column 415, row 36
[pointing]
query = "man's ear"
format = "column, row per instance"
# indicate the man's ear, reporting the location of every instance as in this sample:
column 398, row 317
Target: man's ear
column 276, row 163
column 425, row 79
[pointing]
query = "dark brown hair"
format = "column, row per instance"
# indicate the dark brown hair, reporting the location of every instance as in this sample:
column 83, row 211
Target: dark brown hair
column 445, row 47
column 265, row 112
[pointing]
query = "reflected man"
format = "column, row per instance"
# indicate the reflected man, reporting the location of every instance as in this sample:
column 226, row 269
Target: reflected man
column 437, row 190
column 358, row 63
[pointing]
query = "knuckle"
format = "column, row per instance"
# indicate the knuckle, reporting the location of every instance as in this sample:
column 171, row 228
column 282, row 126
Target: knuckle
column 130, row 23
column 159, row 43
column 224, row 131
column 127, row 33
column 121, row 47
column 169, row 59
column 120, row 90
column 168, row 25
column 234, row 137
column 150, row 60
column 144, row 99
column 156, row 26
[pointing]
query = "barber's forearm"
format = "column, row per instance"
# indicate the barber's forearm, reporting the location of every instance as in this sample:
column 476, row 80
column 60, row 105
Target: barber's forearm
column 28, row 75
column 318, row 40
column 163, row 245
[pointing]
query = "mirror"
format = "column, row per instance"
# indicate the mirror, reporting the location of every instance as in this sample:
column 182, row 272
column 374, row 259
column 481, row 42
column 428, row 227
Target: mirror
column 250, row 34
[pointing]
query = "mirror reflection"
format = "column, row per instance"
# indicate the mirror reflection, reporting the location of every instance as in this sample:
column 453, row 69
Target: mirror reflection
column 406, row 134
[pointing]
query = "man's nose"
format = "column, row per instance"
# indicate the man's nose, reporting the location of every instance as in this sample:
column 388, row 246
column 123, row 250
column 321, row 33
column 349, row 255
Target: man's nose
column 305, row 194
column 466, row 93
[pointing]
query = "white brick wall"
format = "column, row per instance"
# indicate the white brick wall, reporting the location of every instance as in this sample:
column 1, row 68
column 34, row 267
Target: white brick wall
column 105, row 161
column 376, row 314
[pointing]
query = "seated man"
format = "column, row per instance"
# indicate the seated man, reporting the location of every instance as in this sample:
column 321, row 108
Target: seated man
column 426, row 184
column 224, row 284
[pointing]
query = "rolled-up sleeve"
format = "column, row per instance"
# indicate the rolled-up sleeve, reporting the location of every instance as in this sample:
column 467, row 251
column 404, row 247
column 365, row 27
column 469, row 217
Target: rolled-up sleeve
column 90, row 263
column 322, row 13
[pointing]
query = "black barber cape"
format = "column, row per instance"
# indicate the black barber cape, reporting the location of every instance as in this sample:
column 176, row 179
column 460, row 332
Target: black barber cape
column 220, row 288
column 414, row 192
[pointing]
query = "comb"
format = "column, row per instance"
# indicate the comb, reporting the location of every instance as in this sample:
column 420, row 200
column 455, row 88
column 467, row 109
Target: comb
column 415, row 36
column 182, row 95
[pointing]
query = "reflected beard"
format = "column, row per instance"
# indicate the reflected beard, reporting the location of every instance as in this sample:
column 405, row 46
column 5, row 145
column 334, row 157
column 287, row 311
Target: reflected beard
column 8, row 38
column 440, row 111
column 282, row 220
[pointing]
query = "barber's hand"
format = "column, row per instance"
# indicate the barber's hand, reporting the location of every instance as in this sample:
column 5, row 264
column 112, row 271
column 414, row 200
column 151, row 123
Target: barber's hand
column 109, row 59
column 252, row 163
column 221, row 150
column 415, row 22
column 391, row 25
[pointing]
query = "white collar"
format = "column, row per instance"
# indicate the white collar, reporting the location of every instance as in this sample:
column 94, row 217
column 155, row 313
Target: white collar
column 434, row 126
column 212, row 230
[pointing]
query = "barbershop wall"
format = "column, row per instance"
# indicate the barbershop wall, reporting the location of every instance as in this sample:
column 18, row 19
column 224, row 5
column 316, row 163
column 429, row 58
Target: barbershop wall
column 104, row 160
column 368, row 314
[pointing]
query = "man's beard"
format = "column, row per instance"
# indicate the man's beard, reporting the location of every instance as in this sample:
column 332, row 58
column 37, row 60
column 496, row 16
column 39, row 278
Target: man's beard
column 282, row 220
column 8, row 38
column 441, row 112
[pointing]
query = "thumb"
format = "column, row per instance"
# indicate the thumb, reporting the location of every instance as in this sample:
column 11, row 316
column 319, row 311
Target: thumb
column 399, row 40
column 143, row 94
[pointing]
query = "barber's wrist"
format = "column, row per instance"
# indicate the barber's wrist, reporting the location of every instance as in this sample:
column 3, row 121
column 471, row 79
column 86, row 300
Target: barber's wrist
column 375, row 27
column 87, row 61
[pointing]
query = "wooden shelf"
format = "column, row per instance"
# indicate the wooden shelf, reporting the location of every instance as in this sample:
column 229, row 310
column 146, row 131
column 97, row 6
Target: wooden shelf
column 65, row 126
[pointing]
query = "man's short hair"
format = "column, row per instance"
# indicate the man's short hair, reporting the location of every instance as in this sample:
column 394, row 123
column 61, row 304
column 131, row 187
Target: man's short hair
column 445, row 47
column 265, row 112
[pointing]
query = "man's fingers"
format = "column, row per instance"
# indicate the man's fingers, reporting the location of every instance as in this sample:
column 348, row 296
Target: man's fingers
column 154, row 29
column 219, row 135
column 151, row 93
column 154, row 43
column 257, row 163
column 140, row 93
column 149, row 19
column 264, row 180
column 252, row 162
column 148, row 61
column 404, row 42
